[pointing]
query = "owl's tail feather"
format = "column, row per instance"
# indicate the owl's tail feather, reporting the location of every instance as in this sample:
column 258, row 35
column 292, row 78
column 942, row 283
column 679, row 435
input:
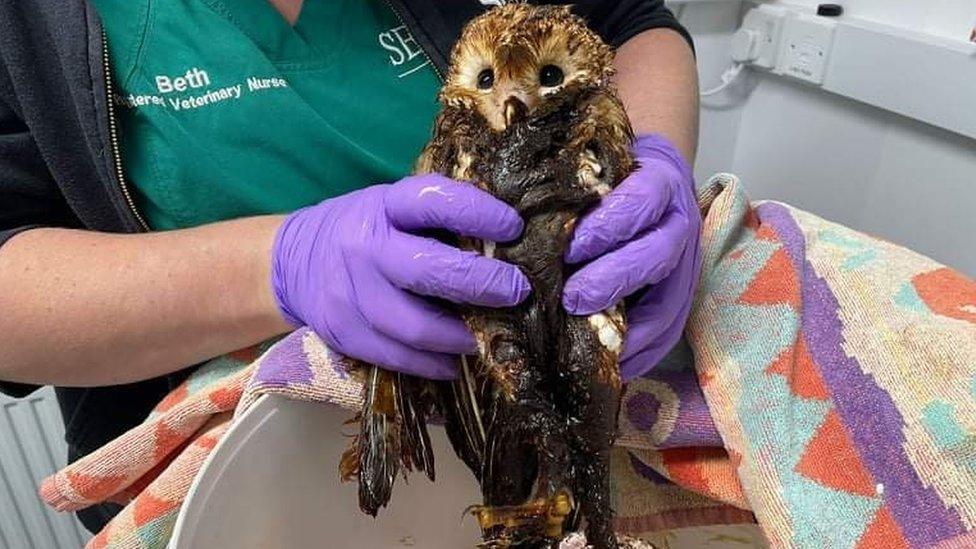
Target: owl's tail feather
column 461, row 408
column 414, row 406
column 379, row 441
column 392, row 435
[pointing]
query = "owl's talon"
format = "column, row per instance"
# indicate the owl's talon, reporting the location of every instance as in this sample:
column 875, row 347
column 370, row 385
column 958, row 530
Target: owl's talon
column 539, row 517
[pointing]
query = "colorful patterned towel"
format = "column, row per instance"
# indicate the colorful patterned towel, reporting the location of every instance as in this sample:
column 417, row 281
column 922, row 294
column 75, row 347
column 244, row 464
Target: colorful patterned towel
column 832, row 394
column 840, row 371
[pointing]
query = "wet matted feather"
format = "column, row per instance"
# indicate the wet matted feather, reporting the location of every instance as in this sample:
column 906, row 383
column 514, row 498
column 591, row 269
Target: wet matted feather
column 529, row 115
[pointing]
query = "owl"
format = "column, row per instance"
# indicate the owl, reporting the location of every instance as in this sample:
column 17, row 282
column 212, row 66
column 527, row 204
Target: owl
column 529, row 114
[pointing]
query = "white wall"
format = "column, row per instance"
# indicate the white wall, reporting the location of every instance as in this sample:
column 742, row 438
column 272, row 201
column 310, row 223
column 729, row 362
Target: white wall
column 858, row 165
column 861, row 166
column 712, row 25
column 948, row 18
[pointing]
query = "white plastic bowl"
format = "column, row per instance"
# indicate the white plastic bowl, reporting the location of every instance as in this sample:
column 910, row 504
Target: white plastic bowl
column 273, row 482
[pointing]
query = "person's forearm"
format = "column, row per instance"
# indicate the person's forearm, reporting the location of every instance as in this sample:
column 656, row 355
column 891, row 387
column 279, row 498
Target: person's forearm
column 87, row 309
column 658, row 84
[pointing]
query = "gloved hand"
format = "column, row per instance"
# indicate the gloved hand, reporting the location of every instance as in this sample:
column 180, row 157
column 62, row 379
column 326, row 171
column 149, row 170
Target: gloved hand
column 350, row 270
column 642, row 240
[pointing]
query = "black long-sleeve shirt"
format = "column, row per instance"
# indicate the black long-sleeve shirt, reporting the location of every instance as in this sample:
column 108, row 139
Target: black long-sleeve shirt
column 58, row 168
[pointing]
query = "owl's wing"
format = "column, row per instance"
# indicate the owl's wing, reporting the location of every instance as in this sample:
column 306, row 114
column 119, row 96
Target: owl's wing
column 451, row 150
column 461, row 405
column 606, row 136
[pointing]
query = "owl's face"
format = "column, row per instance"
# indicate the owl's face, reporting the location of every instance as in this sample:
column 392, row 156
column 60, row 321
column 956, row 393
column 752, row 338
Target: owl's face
column 511, row 61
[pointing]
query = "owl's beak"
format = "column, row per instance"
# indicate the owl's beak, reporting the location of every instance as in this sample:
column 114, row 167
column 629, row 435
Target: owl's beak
column 513, row 110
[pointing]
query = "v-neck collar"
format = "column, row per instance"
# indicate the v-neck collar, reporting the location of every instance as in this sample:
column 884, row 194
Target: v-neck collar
column 264, row 25
column 301, row 4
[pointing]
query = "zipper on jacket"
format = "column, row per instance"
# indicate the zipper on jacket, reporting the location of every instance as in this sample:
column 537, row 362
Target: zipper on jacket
column 426, row 55
column 113, row 134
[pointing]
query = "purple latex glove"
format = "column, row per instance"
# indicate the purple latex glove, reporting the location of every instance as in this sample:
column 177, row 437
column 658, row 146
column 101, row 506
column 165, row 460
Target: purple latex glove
column 644, row 233
column 350, row 269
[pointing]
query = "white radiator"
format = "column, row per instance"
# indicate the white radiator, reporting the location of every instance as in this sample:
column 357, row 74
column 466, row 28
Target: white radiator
column 31, row 448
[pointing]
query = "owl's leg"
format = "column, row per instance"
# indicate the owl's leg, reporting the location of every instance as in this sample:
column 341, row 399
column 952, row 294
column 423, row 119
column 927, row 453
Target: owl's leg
column 509, row 467
column 594, row 485
column 593, row 392
column 525, row 477
column 528, row 497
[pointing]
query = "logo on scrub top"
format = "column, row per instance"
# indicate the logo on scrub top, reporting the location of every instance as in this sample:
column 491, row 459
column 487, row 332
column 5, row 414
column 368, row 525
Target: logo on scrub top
column 404, row 52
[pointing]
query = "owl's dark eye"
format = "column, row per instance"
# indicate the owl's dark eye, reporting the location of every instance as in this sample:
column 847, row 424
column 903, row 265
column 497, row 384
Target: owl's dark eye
column 551, row 76
column 486, row 79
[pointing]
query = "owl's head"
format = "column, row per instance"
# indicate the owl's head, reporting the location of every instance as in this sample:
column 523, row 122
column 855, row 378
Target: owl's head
column 510, row 61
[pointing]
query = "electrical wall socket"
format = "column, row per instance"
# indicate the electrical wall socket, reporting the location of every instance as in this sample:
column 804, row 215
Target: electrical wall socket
column 767, row 22
column 805, row 51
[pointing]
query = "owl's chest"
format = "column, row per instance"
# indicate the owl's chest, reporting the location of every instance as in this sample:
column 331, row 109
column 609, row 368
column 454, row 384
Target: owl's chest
column 535, row 166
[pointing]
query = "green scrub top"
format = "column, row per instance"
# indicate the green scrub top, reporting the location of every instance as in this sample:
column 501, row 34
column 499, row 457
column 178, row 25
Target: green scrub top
column 229, row 111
